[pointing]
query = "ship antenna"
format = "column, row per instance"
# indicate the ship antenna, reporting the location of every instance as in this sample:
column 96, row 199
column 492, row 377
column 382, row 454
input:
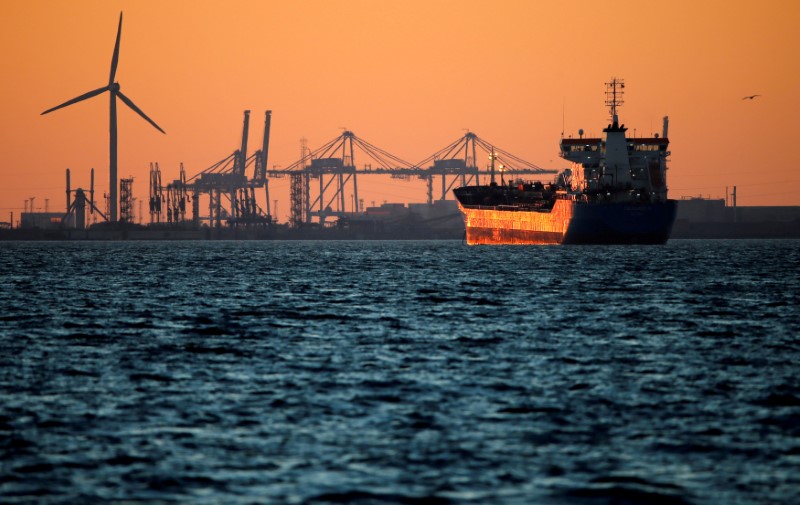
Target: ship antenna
column 614, row 93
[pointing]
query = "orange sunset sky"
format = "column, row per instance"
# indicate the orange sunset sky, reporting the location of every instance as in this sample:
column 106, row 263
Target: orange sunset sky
column 408, row 76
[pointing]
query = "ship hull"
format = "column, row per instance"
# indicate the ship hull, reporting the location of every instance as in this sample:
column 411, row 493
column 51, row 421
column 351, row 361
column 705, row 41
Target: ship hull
column 571, row 222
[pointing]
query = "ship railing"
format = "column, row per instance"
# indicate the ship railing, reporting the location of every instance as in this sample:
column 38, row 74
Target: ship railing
column 513, row 208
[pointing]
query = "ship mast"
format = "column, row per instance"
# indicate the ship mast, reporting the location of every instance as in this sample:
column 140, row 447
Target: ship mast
column 614, row 92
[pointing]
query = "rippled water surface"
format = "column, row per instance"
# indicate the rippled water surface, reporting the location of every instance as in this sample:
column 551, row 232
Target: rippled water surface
column 399, row 372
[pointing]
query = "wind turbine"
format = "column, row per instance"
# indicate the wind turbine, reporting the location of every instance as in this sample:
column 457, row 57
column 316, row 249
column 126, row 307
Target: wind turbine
column 114, row 92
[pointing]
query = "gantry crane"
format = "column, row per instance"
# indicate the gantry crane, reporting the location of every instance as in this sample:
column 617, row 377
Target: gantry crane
column 333, row 165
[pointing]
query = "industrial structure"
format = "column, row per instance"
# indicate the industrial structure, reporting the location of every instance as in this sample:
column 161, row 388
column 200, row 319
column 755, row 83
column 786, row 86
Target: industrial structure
column 228, row 194
column 75, row 216
column 225, row 194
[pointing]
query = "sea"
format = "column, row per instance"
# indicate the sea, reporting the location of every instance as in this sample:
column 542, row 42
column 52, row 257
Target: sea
column 399, row 372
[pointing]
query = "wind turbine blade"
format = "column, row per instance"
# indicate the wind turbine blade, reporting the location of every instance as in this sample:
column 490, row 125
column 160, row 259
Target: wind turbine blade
column 138, row 111
column 78, row 99
column 115, row 58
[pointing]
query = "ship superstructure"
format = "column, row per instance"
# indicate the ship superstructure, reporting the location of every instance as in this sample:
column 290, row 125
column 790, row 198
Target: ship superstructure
column 617, row 163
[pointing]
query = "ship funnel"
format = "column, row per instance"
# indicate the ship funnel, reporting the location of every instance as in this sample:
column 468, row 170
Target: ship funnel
column 666, row 128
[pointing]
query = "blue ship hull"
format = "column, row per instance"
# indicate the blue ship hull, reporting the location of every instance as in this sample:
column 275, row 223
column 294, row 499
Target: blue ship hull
column 621, row 223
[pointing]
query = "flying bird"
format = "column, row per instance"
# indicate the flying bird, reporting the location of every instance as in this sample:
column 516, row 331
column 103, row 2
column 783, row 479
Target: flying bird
column 750, row 97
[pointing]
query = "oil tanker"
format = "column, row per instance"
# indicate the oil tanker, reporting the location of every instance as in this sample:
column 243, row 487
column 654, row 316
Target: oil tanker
column 614, row 193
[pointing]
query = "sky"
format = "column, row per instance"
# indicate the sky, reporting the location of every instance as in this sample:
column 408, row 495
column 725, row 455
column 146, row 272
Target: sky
column 408, row 76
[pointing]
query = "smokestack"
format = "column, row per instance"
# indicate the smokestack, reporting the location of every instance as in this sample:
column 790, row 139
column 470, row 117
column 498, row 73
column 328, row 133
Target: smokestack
column 69, row 199
column 91, row 193
column 665, row 131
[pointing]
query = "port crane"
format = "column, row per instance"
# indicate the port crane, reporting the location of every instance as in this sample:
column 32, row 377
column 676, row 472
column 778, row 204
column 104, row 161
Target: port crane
column 230, row 191
column 227, row 179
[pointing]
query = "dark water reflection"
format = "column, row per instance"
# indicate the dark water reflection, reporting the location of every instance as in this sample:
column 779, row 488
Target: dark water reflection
column 400, row 372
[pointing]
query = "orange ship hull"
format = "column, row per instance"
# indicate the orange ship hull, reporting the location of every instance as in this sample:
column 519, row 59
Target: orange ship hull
column 495, row 226
column 571, row 222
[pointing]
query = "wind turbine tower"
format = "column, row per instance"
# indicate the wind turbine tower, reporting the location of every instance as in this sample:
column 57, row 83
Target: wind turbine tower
column 114, row 92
